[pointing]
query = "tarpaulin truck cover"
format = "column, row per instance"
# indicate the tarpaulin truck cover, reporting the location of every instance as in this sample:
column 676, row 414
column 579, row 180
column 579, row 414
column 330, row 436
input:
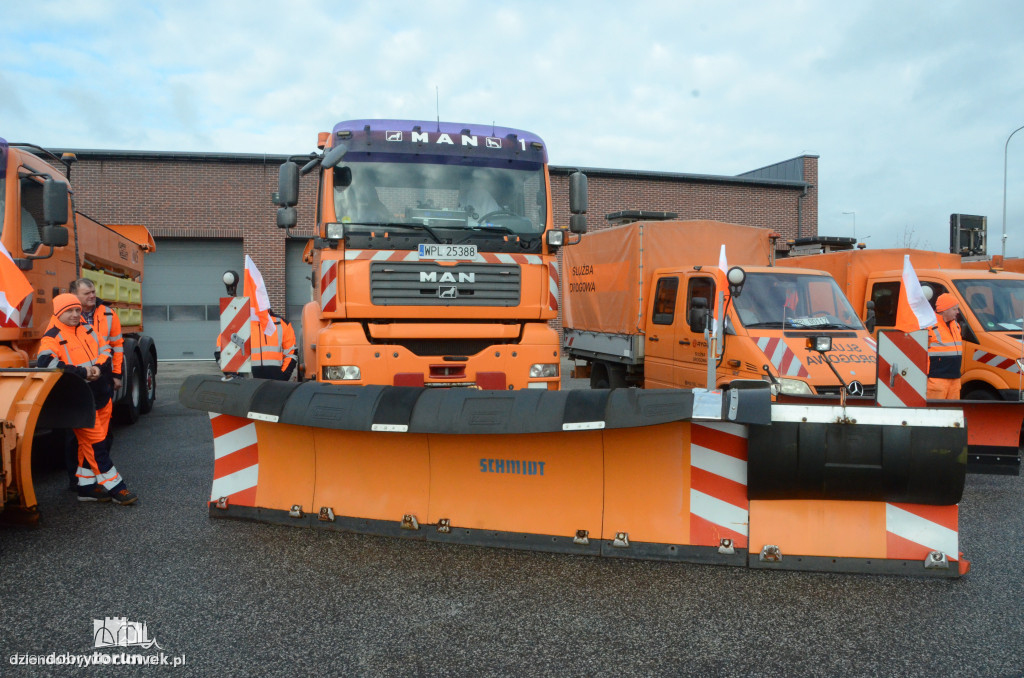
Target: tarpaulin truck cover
column 852, row 268
column 608, row 274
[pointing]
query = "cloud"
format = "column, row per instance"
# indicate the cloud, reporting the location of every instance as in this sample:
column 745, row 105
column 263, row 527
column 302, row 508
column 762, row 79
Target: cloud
column 908, row 107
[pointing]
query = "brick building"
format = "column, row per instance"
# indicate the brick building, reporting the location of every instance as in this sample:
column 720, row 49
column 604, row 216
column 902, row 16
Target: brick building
column 207, row 210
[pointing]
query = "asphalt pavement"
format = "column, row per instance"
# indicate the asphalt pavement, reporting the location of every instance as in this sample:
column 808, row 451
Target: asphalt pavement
column 237, row 598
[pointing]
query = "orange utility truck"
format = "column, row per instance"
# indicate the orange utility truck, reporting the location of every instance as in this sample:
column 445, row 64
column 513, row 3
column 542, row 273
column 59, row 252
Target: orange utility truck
column 640, row 300
column 434, row 256
column 991, row 306
column 52, row 245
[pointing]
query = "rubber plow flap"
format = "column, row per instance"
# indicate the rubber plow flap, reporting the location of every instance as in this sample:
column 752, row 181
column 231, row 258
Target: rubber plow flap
column 454, row 411
column 870, row 454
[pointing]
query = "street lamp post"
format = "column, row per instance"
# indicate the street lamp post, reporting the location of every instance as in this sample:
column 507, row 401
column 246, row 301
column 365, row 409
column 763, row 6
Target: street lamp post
column 1006, row 146
column 854, row 223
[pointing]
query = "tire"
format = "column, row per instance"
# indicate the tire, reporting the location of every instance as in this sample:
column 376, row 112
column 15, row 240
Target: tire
column 980, row 394
column 148, row 385
column 128, row 409
column 598, row 375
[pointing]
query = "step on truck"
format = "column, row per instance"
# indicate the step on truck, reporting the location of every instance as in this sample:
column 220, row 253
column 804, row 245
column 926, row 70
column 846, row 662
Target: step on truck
column 433, row 256
column 53, row 244
column 639, row 304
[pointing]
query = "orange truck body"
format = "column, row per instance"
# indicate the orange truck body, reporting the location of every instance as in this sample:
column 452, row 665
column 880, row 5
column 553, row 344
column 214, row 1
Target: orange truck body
column 630, row 290
column 991, row 305
column 426, row 291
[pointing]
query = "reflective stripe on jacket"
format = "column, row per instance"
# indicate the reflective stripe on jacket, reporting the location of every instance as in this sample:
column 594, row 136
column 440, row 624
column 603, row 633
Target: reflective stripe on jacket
column 945, row 350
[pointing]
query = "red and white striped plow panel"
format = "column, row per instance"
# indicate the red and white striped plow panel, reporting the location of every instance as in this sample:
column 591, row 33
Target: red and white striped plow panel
column 997, row 361
column 236, row 460
column 912, row 531
column 328, row 286
column 902, row 368
column 552, row 287
column 234, row 340
column 719, row 508
column 780, row 355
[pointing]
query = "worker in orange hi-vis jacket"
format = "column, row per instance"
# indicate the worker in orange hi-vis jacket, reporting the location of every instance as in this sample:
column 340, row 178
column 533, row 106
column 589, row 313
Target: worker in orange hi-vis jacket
column 74, row 347
column 945, row 351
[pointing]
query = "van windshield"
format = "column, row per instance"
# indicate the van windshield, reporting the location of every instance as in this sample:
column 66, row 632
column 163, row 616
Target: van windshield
column 794, row 301
column 509, row 198
column 998, row 304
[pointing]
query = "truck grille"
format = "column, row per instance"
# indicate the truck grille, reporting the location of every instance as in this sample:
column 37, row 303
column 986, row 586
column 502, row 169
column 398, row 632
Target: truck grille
column 442, row 347
column 426, row 284
column 869, row 390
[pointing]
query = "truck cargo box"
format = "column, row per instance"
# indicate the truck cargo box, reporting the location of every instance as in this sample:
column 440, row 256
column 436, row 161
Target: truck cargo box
column 608, row 274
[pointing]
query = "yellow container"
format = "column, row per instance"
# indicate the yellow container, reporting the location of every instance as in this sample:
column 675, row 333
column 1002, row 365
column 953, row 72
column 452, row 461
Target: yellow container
column 106, row 286
column 129, row 316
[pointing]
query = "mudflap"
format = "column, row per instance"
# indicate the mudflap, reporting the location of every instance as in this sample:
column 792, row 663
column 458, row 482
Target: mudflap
column 625, row 473
column 33, row 399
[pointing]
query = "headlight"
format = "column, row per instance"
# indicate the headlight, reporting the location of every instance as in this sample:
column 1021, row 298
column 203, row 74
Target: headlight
column 341, row 373
column 795, row 387
column 335, row 231
column 556, row 238
column 543, row 370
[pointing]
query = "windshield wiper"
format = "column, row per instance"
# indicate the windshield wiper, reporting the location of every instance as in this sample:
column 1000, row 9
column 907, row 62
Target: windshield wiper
column 399, row 224
column 493, row 229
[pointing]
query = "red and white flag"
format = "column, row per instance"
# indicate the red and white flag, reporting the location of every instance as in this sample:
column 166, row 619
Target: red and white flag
column 722, row 295
column 913, row 312
column 15, row 292
column 259, row 301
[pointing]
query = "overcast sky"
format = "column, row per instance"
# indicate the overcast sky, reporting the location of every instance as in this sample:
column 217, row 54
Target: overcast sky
column 908, row 104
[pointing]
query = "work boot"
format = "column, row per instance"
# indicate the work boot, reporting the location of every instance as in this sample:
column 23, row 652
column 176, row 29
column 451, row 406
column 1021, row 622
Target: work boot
column 124, row 496
column 92, row 493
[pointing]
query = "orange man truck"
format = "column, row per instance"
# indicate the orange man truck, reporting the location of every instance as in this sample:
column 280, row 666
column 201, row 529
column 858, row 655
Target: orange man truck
column 434, row 256
column 640, row 296
column 991, row 306
column 52, row 245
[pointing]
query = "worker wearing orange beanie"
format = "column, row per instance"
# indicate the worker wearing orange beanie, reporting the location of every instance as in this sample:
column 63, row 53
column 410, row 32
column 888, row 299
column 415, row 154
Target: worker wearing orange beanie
column 75, row 348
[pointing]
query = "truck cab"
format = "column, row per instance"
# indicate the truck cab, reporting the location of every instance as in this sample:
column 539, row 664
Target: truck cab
column 434, row 261
column 766, row 332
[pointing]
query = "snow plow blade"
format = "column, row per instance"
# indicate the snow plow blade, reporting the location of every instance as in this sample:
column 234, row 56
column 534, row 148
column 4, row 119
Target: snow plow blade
column 653, row 474
column 33, row 400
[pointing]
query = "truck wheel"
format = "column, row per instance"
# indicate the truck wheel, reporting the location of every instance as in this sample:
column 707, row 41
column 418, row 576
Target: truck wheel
column 148, row 385
column 598, row 375
column 127, row 409
column 980, row 393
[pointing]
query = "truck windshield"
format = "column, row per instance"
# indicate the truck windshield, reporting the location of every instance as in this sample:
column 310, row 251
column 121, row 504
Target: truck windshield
column 506, row 199
column 794, row 301
column 998, row 304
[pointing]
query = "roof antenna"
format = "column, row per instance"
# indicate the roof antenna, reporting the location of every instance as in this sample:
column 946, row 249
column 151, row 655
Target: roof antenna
column 437, row 100
column 492, row 129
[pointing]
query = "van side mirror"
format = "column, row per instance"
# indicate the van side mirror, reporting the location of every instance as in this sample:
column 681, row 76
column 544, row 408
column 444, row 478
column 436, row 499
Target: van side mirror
column 288, row 185
column 697, row 315
column 55, row 203
column 578, row 193
column 869, row 322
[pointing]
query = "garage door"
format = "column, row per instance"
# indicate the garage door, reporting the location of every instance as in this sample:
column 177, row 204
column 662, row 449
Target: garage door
column 181, row 295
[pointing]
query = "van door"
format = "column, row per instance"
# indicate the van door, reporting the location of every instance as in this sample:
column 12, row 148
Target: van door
column 691, row 347
column 659, row 359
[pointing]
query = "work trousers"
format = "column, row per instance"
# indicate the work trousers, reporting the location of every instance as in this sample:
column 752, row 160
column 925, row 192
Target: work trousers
column 94, row 462
column 943, row 389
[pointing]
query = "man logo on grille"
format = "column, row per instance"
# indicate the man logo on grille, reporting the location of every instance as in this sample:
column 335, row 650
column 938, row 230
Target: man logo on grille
column 448, row 292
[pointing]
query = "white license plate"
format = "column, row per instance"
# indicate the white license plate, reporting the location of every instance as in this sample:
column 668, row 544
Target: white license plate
column 447, row 252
